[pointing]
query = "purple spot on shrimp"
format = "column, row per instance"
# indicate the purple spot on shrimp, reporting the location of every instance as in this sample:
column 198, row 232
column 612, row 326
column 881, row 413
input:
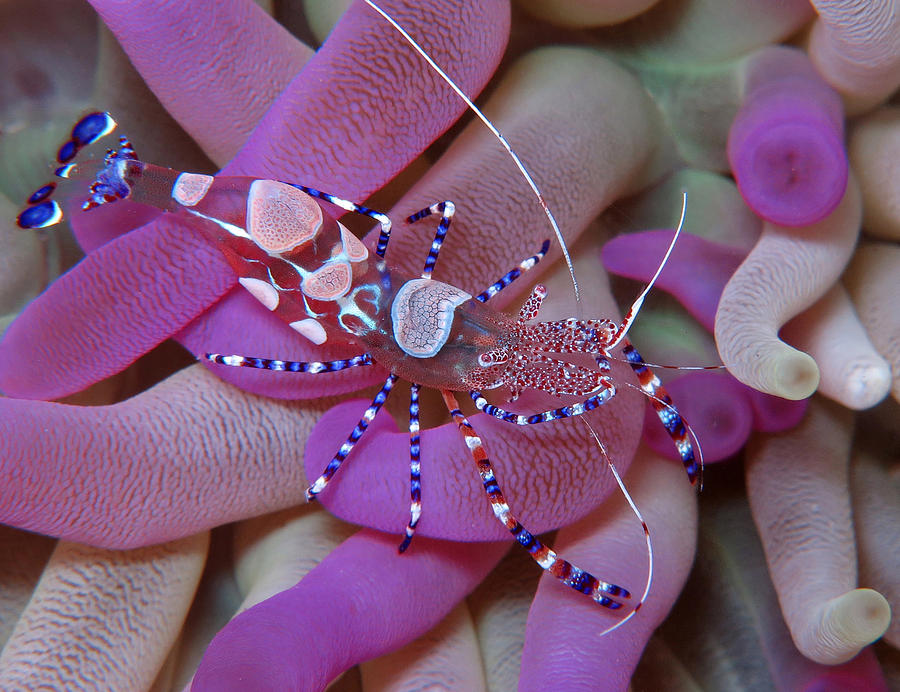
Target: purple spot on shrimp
column 40, row 215
column 92, row 127
column 67, row 152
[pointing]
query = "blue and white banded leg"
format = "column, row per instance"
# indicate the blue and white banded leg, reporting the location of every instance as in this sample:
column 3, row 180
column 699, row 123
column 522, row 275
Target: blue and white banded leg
column 668, row 415
column 446, row 209
column 311, row 367
column 576, row 409
column 322, row 481
column 415, row 476
column 513, row 274
column 347, row 205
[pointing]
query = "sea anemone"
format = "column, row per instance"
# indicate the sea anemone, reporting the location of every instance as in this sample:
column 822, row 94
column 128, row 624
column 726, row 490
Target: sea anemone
column 173, row 488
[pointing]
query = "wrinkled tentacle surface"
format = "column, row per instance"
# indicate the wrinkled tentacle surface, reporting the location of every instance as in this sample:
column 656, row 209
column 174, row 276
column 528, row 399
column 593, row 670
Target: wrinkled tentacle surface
column 802, row 511
column 783, row 275
column 382, row 601
column 280, row 148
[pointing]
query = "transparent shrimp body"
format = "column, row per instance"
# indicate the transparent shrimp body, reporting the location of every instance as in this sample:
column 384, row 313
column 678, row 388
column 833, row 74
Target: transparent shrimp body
column 308, row 268
column 311, row 271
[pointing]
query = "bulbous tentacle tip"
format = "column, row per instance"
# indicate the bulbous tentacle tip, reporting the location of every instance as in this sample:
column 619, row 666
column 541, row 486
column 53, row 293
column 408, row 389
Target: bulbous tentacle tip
column 868, row 382
column 777, row 369
column 796, row 375
column 794, row 174
column 846, row 624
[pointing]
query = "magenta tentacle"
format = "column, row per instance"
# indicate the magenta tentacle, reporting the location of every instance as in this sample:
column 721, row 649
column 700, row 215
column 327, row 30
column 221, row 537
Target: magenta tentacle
column 600, row 591
column 718, row 410
column 240, row 43
column 362, row 601
column 772, row 413
column 448, row 476
column 636, row 256
column 786, row 144
column 604, row 538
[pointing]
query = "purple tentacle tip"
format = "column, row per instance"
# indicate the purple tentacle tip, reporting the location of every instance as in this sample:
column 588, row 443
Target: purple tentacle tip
column 772, row 413
column 786, row 146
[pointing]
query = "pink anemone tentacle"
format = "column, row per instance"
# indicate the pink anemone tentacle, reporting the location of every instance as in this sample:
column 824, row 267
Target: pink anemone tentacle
column 611, row 537
column 361, row 601
column 786, row 144
column 253, row 55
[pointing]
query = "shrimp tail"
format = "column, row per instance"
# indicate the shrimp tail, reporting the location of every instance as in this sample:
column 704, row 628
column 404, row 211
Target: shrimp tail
column 109, row 176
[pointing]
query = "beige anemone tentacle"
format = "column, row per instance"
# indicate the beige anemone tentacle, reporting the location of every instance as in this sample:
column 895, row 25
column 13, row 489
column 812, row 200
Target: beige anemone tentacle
column 797, row 482
column 787, row 271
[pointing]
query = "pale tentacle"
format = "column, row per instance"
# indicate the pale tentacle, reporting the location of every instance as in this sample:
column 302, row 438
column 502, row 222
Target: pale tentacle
column 875, row 488
column 445, row 658
column 852, row 372
column 787, row 271
column 101, row 618
column 797, row 485
column 874, row 149
column 856, row 47
column 871, row 280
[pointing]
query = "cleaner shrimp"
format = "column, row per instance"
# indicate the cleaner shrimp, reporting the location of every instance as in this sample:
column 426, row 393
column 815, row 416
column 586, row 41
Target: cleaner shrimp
column 305, row 266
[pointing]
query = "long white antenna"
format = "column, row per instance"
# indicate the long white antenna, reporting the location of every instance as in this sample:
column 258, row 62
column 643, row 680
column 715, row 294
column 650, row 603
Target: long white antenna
column 628, row 320
column 644, row 528
column 494, row 131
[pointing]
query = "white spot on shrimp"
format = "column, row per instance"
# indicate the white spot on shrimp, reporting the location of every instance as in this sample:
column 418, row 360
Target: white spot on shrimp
column 264, row 292
column 353, row 247
column 422, row 315
column 311, row 329
column 190, row 188
column 280, row 217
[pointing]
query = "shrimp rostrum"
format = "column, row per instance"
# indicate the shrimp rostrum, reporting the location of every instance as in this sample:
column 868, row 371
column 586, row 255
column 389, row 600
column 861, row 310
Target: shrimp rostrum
column 310, row 270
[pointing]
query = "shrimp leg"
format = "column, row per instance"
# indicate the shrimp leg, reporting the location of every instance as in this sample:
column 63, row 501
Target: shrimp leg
column 361, row 427
column 312, row 367
column 415, row 478
column 347, row 205
column 600, row 591
column 446, row 209
column 512, row 274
